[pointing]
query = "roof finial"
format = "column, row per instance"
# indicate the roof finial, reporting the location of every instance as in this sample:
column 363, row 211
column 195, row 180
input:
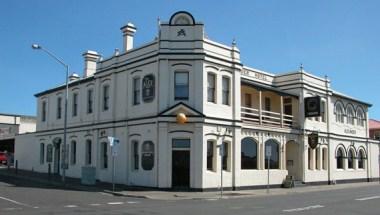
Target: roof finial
column 234, row 42
column 301, row 67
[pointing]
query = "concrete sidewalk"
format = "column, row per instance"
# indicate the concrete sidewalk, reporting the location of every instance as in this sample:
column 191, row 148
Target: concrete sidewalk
column 136, row 192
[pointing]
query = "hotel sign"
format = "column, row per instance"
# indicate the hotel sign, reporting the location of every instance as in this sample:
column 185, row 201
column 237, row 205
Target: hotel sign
column 313, row 106
column 313, row 140
column 349, row 131
column 148, row 88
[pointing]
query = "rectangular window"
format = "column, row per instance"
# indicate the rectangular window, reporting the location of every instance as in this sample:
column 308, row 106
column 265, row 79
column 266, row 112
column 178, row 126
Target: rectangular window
column 309, row 151
column 324, row 156
column 317, row 159
column 210, row 87
column 73, row 153
column 42, row 153
column 104, row 155
column 181, row 144
column 106, row 97
column 75, row 104
column 225, row 91
column 59, row 108
column 267, row 105
column 90, row 100
column 43, row 112
column 181, row 86
column 88, row 152
column 136, row 91
column 323, row 111
column 135, row 155
column 210, row 155
column 225, row 155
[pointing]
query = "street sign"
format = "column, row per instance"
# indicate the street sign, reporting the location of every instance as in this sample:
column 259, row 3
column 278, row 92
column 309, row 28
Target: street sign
column 114, row 143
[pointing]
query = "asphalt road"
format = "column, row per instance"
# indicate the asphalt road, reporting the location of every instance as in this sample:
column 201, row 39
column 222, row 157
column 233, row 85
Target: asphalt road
column 23, row 197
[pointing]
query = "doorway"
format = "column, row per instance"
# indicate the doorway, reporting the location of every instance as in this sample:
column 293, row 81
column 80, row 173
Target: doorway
column 181, row 164
column 292, row 159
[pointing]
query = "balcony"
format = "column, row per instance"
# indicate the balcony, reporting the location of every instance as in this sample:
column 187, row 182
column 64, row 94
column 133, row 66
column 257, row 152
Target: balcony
column 253, row 116
column 268, row 106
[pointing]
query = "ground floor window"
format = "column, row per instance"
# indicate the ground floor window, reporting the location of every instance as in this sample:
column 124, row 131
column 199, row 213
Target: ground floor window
column 73, row 152
column 340, row 159
column 272, row 149
column 210, row 155
column 350, row 159
column 88, row 156
column 361, row 157
column 226, row 153
column 248, row 153
column 135, row 154
column 324, row 158
column 104, row 155
column 42, row 153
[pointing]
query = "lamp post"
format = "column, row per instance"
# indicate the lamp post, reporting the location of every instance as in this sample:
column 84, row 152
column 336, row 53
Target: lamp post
column 39, row 47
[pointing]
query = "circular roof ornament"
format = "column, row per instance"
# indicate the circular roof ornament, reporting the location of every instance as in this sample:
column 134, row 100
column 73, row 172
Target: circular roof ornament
column 182, row 18
column 181, row 118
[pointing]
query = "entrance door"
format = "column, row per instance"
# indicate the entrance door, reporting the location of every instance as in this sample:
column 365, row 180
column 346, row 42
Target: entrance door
column 181, row 169
column 292, row 159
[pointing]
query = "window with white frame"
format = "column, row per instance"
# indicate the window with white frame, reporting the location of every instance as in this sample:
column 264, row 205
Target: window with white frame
column 90, row 100
column 225, row 156
column 43, row 111
column 73, row 152
column 42, row 153
column 104, row 155
column 88, row 156
column 226, row 90
column 324, row 159
column 340, row 155
column 211, row 83
column 361, row 157
column 181, row 85
column 106, row 97
column 75, row 104
column 350, row 115
column 59, row 107
column 248, row 153
column 274, row 158
column 339, row 114
column 135, row 154
column 360, row 117
column 323, row 111
column 350, row 159
column 210, row 155
column 136, row 90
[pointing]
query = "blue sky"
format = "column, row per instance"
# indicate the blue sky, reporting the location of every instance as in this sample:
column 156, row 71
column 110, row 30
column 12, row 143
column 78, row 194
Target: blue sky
column 340, row 39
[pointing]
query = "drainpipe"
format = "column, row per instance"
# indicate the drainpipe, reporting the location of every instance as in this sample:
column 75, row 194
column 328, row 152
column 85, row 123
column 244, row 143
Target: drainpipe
column 328, row 132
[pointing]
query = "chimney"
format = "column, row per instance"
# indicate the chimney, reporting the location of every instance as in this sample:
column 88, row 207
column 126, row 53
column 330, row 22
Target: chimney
column 128, row 33
column 90, row 59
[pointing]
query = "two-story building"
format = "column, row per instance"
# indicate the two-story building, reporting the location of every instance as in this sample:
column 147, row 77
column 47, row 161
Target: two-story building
column 186, row 109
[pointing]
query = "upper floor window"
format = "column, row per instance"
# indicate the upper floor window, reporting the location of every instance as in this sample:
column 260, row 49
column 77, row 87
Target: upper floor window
column 226, row 91
column 181, row 86
column 136, row 91
column 360, row 117
column 59, row 108
column 350, row 115
column 75, row 104
column 43, row 111
column 211, row 87
column 106, row 97
column 90, row 100
column 323, row 111
column 339, row 117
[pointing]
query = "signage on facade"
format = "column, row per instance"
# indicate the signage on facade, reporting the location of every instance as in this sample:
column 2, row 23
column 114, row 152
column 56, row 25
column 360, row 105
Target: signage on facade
column 313, row 140
column 313, row 106
column 147, row 155
column 349, row 131
column 148, row 88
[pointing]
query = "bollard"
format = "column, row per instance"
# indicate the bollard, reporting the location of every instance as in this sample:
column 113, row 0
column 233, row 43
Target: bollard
column 16, row 166
column 49, row 171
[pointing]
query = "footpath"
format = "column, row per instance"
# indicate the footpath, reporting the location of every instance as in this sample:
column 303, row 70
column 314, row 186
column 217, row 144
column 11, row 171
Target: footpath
column 35, row 179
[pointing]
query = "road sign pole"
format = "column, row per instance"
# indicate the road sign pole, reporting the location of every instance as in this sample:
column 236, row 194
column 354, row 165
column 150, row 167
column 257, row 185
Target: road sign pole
column 113, row 172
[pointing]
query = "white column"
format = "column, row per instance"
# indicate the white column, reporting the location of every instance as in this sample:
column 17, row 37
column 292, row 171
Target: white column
column 282, row 110
column 260, row 108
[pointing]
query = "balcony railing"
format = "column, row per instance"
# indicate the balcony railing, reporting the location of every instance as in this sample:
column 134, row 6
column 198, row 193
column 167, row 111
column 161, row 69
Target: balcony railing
column 253, row 116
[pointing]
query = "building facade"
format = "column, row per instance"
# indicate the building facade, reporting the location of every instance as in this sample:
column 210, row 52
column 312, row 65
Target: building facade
column 374, row 129
column 186, row 109
column 12, row 125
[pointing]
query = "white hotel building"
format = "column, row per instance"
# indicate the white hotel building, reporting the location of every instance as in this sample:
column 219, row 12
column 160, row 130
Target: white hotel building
column 172, row 103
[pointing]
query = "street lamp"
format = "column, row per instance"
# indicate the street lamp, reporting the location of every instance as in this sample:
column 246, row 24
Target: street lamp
column 39, row 47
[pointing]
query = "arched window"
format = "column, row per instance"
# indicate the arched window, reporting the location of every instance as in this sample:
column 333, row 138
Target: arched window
column 360, row 117
column 211, row 86
column 272, row 148
column 210, row 155
column 339, row 116
column 42, row 153
column 104, row 155
column 88, row 155
column 340, row 158
column 324, row 159
column 351, row 157
column 248, row 153
column 73, row 152
column 350, row 115
column 361, row 157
